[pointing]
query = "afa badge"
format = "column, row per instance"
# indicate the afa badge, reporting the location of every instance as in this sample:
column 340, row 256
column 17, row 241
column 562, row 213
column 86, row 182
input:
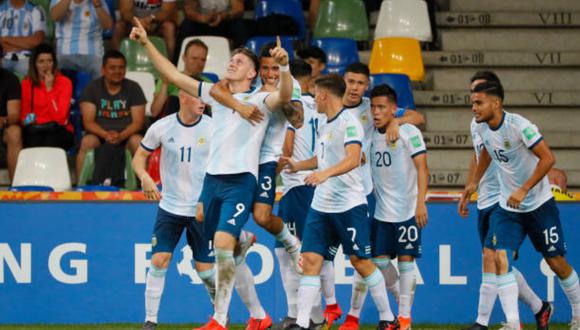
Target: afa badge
column 507, row 144
column 494, row 240
column 364, row 118
column 87, row 13
column 153, row 240
column 201, row 141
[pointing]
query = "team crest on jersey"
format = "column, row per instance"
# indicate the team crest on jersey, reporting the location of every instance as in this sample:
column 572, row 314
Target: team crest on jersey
column 364, row 118
column 494, row 240
column 329, row 136
column 507, row 144
column 153, row 240
column 201, row 141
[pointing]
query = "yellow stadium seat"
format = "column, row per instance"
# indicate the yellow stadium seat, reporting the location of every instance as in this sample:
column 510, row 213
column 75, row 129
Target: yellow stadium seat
column 397, row 55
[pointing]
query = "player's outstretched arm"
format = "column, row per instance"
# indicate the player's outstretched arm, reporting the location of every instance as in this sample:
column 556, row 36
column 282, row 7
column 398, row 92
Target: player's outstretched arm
column 348, row 163
column 462, row 207
column 420, row 162
column 545, row 163
column 412, row 117
column 161, row 63
column 221, row 93
column 139, row 162
column 392, row 132
column 284, row 94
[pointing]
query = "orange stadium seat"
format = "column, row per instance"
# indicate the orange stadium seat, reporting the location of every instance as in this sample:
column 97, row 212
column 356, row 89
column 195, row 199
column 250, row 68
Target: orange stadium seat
column 397, row 55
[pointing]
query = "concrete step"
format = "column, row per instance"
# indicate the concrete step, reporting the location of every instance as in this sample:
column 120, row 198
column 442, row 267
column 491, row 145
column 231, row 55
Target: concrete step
column 513, row 79
column 459, row 119
column 514, row 5
column 456, row 178
column 458, row 159
column 500, row 59
column 447, row 98
column 510, row 39
column 462, row 139
column 535, row 19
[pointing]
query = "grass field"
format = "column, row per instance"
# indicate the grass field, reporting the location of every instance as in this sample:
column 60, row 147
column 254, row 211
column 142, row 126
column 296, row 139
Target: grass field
column 233, row 327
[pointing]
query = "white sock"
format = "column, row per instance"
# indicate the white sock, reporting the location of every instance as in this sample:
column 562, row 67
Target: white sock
column 208, row 279
column 327, row 282
column 391, row 275
column 285, row 237
column 225, row 271
column 247, row 290
column 358, row 295
column 153, row 291
column 526, row 294
column 376, row 284
column 572, row 290
column 507, row 290
column 407, row 284
column 290, row 281
column 317, row 313
column 308, row 292
column 487, row 296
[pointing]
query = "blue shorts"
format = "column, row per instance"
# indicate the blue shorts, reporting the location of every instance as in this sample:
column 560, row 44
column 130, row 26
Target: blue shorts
column 350, row 228
column 293, row 209
column 167, row 232
column 227, row 202
column 396, row 238
column 372, row 203
column 542, row 226
column 266, row 192
column 483, row 220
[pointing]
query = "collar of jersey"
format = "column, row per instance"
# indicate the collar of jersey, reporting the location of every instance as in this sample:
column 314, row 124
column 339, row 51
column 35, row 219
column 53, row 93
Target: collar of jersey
column 500, row 123
column 307, row 94
column 249, row 91
column 185, row 125
column 353, row 106
column 333, row 118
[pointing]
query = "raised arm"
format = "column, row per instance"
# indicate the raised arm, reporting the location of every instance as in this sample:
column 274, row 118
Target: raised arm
column 58, row 11
column 103, row 15
column 284, row 94
column 167, row 12
column 412, row 117
column 162, row 64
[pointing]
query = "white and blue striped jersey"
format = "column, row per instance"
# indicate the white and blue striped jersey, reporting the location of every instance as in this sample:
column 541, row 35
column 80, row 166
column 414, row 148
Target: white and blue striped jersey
column 183, row 163
column 22, row 22
column 276, row 131
column 236, row 143
column 510, row 146
column 488, row 189
column 343, row 192
column 79, row 32
column 394, row 173
column 305, row 139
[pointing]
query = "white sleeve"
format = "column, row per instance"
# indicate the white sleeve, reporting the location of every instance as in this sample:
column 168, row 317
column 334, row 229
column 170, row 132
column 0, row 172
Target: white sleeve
column 476, row 139
column 353, row 132
column 415, row 142
column 152, row 139
column 203, row 92
column 38, row 20
column 529, row 133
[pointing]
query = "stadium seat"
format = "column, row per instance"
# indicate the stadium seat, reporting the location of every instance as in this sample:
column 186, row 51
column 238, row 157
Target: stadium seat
column 89, row 167
column 91, row 187
column 400, row 83
column 397, row 55
column 256, row 44
column 342, row 19
column 32, row 188
column 211, row 76
column 404, row 18
column 137, row 58
column 218, row 55
column 153, row 166
column 147, row 83
column 42, row 167
column 340, row 52
column 292, row 8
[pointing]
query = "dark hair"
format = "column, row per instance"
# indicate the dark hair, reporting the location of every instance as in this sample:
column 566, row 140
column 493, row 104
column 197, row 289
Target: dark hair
column 113, row 54
column 299, row 68
column 314, row 52
column 195, row 42
column 250, row 55
column 358, row 67
column 384, row 90
column 490, row 88
column 333, row 83
column 1, row 51
column 485, row 75
column 36, row 52
column 265, row 51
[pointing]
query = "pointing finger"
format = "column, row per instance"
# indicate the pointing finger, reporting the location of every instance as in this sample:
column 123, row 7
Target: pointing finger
column 278, row 42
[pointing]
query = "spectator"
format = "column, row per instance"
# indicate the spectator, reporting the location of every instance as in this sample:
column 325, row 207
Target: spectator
column 157, row 16
column 316, row 57
column 10, row 116
column 166, row 95
column 79, row 33
column 46, row 96
column 113, row 109
column 22, row 27
column 214, row 17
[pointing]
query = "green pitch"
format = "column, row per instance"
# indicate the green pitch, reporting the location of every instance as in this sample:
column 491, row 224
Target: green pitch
column 233, row 327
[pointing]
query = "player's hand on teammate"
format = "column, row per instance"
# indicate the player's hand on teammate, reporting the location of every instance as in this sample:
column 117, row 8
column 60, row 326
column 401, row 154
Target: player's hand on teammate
column 392, row 133
column 516, row 198
column 278, row 53
column 316, row 178
column 421, row 215
column 138, row 32
column 465, row 197
column 250, row 113
column 150, row 189
column 199, row 212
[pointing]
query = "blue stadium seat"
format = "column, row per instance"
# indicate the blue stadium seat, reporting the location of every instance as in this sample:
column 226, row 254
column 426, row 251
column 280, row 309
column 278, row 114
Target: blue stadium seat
column 255, row 44
column 340, row 52
column 400, row 83
column 211, row 76
column 97, row 188
column 31, row 188
column 292, row 8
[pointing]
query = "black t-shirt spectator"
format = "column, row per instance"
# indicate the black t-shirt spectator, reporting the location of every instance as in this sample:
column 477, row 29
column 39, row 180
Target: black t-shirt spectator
column 9, row 90
column 113, row 111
